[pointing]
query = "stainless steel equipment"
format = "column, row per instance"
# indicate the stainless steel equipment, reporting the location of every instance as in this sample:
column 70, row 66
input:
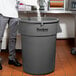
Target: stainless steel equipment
column 66, row 4
column 41, row 4
column 72, row 5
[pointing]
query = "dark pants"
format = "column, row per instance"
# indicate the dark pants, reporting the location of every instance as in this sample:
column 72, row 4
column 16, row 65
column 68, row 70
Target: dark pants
column 12, row 32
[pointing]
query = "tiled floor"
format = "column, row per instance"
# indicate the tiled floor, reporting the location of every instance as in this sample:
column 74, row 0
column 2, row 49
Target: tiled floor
column 65, row 62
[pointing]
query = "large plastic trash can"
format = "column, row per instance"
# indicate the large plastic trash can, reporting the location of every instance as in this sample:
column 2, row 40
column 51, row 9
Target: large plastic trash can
column 38, row 44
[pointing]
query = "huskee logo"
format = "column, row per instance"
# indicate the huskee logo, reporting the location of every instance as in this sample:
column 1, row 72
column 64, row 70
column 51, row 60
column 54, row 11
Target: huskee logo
column 42, row 29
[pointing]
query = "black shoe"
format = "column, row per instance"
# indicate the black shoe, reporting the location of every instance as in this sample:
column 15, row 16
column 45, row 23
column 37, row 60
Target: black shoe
column 14, row 62
column 0, row 66
column 73, row 51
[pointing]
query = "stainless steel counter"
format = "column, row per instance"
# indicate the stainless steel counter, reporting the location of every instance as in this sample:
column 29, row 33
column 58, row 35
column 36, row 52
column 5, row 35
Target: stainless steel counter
column 51, row 12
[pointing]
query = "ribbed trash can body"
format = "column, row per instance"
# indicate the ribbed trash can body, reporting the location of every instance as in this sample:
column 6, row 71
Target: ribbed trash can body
column 38, row 44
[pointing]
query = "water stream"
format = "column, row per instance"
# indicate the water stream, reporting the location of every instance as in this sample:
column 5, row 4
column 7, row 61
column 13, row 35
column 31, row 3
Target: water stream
column 38, row 13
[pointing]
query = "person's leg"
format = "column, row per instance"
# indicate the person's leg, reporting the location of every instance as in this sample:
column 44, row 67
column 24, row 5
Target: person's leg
column 12, row 41
column 3, row 22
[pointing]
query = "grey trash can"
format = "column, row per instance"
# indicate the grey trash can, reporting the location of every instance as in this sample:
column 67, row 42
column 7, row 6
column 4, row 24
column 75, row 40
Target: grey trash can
column 38, row 44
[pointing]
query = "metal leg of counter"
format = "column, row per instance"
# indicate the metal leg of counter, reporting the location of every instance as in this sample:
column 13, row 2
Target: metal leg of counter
column 73, row 50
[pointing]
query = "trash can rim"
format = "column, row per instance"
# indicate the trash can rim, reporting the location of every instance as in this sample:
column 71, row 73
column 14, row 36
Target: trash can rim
column 53, row 20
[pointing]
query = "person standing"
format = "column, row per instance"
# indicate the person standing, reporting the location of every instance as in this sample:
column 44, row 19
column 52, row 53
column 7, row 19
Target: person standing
column 9, row 14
